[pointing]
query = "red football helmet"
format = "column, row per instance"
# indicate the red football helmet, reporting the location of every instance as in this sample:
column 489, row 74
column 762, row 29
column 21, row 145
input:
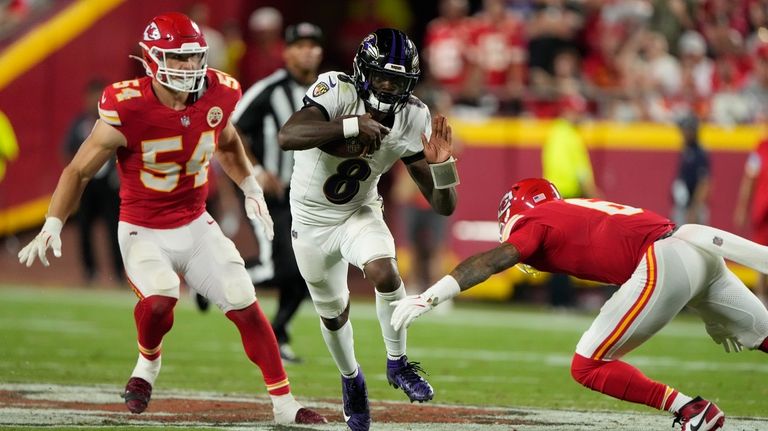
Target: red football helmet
column 174, row 34
column 523, row 195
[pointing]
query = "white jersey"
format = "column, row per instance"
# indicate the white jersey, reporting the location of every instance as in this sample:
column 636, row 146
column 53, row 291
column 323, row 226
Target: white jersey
column 325, row 189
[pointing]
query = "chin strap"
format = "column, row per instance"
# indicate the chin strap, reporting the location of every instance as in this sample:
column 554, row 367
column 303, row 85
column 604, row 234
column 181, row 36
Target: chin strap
column 726, row 244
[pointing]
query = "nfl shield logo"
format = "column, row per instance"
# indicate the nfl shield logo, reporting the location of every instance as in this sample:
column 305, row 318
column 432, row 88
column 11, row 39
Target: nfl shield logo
column 185, row 121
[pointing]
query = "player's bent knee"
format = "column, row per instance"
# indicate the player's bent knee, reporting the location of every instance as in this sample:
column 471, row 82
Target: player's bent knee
column 238, row 292
column 582, row 369
column 153, row 276
column 331, row 309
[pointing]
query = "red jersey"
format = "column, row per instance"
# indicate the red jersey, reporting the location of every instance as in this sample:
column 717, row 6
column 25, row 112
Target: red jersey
column 446, row 47
column 759, row 160
column 586, row 238
column 164, row 167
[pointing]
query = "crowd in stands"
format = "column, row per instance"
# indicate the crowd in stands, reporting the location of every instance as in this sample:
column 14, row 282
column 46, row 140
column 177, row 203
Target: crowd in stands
column 624, row 60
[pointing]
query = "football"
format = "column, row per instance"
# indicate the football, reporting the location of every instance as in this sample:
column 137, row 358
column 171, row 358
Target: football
column 346, row 148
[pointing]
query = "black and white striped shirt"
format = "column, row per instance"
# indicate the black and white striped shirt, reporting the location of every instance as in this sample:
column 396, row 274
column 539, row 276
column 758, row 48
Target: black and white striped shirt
column 263, row 109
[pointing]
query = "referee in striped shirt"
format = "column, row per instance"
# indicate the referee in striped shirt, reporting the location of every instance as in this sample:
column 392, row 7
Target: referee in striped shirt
column 263, row 109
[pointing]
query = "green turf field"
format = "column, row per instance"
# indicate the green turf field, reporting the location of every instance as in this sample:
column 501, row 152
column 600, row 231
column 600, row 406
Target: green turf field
column 477, row 354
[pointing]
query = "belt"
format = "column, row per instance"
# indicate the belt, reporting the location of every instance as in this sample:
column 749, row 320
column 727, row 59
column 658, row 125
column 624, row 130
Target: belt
column 668, row 233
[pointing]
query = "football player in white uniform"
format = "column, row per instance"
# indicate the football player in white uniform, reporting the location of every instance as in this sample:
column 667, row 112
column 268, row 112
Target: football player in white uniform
column 350, row 131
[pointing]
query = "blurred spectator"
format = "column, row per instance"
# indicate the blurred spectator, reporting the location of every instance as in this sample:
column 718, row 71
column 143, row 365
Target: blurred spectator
column 264, row 47
column 551, row 29
column 690, row 188
column 497, row 55
column 693, row 50
column 217, row 54
column 671, row 18
column 752, row 204
column 100, row 198
column 566, row 163
column 9, row 147
column 234, row 46
column 756, row 87
column 446, row 46
column 362, row 18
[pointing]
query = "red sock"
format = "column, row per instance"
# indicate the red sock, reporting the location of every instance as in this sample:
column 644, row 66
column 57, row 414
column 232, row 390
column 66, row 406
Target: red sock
column 154, row 318
column 620, row 380
column 261, row 347
column 764, row 346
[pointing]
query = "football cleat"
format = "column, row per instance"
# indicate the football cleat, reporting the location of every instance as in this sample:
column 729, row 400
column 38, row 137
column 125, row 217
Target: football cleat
column 357, row 412
column 305, row 416
column 699, row 415
column 137, row 394
column 404, row 374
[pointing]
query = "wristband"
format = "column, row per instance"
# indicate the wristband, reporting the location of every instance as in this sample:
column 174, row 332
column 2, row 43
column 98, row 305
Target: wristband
column 249, row 186
column 351, row 127
column 445, row 289
column 444, row 175
column 53, row 225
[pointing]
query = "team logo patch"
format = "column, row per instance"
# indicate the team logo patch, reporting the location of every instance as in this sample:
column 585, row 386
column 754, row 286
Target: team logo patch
column 320, row 89
column 152, row 32
column 215, row 116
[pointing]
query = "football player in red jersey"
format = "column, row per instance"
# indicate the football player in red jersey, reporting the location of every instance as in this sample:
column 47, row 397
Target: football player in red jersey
column 164, row 129
column 660, row 268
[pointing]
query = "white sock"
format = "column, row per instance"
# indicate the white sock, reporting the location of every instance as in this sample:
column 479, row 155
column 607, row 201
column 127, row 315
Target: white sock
column 680, row 400
column 342, row 347
column 146, row 369
column 394, row 341
column 284, row 408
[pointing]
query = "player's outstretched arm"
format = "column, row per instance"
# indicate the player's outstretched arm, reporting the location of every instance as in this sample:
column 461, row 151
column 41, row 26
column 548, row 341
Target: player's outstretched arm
column 97, row 148
column 472, row 271
column 233, row 159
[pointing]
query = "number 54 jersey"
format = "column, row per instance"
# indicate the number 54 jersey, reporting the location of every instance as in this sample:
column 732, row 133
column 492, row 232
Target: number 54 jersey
column 164, row 166
column 325, row 189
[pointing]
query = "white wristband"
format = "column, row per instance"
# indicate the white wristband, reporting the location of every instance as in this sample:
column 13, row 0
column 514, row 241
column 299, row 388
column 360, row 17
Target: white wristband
column 351, row 127
column 445, row 289
column 249, row 186
column 444, row 175
column 53, row 225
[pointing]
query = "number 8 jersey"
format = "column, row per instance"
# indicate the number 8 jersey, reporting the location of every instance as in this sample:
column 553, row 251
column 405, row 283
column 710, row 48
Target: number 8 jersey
column 164, row 166
column 325, row 189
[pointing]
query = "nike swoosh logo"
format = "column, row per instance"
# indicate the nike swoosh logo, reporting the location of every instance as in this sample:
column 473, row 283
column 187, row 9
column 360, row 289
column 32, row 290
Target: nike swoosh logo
column 330, row 81
column 210, row 221
column 346, row 418
column 697, row 421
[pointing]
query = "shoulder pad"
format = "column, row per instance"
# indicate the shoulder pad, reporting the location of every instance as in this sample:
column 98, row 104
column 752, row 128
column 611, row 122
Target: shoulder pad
column 343, row 77
column 413, row 100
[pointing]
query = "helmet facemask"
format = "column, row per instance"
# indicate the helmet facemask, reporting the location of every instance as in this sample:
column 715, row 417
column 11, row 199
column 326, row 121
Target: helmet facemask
column 184, row 80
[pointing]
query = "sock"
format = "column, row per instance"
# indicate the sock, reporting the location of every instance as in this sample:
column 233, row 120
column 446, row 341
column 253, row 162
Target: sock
column 621, row 380
column 146, row 369
column 764, row 346
column 342, row 347
column 676, row 401
column 154, row 318
column 261, row 347
column 284, row 407
column 394, row 341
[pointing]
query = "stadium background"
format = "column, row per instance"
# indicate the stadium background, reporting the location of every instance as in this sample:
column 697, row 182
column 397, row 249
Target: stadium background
column 47, row 60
